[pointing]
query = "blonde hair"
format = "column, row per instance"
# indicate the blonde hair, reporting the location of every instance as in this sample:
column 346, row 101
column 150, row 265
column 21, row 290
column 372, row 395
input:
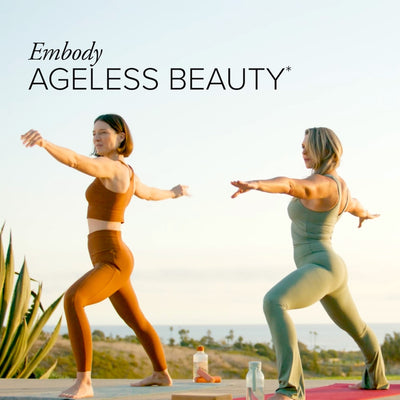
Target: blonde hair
column 325, row 148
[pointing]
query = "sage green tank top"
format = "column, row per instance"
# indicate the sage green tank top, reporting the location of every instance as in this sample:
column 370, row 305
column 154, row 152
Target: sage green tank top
column 309, row 225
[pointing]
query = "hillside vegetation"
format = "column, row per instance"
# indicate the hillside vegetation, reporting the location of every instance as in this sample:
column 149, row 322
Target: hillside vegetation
column 124, row 358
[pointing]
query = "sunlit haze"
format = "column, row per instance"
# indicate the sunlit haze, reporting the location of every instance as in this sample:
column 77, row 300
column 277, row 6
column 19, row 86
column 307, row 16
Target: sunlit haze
column 205, row 259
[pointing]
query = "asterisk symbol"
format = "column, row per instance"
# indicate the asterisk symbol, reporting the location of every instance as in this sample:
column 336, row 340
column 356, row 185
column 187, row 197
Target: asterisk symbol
column 288, row 68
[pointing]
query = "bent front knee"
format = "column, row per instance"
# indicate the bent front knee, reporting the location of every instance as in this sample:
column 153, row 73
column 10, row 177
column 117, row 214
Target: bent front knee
column 271, row 303
column 71, row 300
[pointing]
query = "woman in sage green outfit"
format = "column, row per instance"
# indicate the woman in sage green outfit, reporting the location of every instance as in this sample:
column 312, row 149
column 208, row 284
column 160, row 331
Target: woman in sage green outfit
column 321, row 275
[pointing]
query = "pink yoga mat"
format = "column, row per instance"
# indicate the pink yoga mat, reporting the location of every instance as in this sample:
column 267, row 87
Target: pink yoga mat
column 341, row 391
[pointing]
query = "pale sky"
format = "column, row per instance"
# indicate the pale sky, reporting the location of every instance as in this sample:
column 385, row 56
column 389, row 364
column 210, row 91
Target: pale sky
column 206, row 259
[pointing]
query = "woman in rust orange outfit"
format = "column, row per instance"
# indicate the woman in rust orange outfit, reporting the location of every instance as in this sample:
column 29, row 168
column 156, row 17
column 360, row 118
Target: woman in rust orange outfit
column 108, row 196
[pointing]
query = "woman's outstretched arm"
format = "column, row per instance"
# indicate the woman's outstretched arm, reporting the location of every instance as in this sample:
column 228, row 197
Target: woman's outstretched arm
column 100, row 167
column 314, row 187
column 355, row 208
column 151, row 193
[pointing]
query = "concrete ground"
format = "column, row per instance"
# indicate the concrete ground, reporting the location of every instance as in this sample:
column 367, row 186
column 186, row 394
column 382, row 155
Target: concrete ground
column 119, row 389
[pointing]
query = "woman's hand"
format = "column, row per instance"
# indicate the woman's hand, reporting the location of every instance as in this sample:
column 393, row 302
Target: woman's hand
column 355, row 208
column 179, row 191
column 243, row 187
column 154, row 194
column 32, row 138
column 367, row 216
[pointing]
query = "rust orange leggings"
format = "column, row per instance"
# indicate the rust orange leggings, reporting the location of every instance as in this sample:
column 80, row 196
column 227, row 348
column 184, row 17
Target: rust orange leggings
column 110, row 277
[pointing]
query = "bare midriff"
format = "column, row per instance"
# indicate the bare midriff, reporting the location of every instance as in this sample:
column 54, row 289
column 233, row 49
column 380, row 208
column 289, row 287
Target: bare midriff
column 99, row 225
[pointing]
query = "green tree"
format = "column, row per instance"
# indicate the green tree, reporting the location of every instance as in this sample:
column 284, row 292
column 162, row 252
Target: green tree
column 239, row 343
column 98, row 335
column 391, row 347
column 265, row 351
column 229, row 338
column 184, row 335
column 209, row 341
column 171, row 340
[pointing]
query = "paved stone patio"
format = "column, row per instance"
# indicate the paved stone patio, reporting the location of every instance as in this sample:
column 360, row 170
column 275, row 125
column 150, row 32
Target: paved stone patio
column 119, row 389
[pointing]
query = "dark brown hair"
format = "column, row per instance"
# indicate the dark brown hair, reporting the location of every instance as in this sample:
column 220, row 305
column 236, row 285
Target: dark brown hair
column 117, row 123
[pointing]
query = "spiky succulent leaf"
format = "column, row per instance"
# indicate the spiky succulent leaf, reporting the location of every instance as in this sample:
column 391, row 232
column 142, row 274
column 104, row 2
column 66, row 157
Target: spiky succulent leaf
column 8, row 282
column 18, row 308
column 2, row 266
column 33, row 310
column 23, row 326
column 41, row 353
column 18, row 350
column 47, row 374
column 35, row 332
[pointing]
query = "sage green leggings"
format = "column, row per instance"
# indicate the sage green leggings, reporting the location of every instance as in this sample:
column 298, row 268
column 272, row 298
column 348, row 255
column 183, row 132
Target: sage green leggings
column 321, row 275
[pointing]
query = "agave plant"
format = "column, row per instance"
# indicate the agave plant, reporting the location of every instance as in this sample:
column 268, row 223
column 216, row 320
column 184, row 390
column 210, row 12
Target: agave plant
column 22, row 319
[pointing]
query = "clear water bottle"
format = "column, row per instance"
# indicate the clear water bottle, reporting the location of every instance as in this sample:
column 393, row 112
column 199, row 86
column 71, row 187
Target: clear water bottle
column 255, row 382
column 200, row 360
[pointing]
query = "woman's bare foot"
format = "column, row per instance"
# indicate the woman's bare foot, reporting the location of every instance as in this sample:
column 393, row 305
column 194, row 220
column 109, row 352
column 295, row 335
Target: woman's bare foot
column 82, row 387
column 356, row 386
column 279, row 396
column 158, row 378
column 360, row 386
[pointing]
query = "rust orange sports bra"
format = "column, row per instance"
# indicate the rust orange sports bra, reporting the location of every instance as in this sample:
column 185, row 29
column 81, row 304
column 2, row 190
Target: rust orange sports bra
column 105, row 204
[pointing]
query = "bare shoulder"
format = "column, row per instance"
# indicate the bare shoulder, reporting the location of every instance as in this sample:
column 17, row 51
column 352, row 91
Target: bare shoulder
column 317, row 178
column 118, row 175
column 121, row 170
column 346, row 196
column 341, row 180
column 343, row 185
column 118, row 167
column 327, row 179
column 321, row 180
column 103, row 161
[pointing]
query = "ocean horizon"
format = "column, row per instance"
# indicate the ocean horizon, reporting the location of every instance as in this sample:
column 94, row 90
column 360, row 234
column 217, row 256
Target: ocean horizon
column 323, row 336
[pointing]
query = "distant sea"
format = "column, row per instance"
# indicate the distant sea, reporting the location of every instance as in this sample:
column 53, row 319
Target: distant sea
column 324, row 336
